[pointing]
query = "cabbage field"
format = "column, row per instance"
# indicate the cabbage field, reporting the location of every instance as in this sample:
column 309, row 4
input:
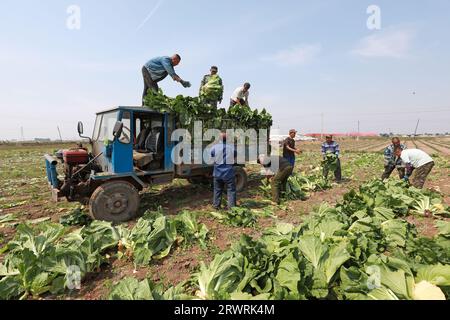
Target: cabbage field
column 363, row 239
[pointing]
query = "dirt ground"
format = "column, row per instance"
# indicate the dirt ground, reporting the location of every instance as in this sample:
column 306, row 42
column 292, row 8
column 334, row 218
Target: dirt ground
column 24, row 193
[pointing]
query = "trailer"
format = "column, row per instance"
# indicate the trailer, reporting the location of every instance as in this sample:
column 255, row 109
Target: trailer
column 130, row 149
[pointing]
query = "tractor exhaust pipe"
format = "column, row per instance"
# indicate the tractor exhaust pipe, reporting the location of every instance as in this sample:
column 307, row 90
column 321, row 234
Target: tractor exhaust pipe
column 51, row 159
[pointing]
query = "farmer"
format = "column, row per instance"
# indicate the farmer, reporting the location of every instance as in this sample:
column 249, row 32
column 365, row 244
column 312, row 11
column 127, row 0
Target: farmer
column 391, row 161
column 240, row 95
column 157, row 69
column 330, row 146
column 278, row 169
column 289, row 150
column 224, row 156
column 211, row 88
column 418, row 165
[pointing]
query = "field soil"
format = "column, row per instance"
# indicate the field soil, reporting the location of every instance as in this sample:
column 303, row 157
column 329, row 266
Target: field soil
column 24, row 194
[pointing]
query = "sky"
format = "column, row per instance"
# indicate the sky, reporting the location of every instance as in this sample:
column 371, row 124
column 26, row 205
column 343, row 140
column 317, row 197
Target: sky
column 304, row 59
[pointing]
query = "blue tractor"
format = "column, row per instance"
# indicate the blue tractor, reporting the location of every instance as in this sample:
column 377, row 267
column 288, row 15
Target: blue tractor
column 130, row 150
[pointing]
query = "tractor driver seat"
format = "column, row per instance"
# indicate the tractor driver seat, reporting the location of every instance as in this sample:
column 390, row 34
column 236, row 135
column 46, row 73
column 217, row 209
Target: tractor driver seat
column 153, row 152
column 141, row 138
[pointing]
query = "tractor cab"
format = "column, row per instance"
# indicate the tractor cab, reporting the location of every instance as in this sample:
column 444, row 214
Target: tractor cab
column 141, row 143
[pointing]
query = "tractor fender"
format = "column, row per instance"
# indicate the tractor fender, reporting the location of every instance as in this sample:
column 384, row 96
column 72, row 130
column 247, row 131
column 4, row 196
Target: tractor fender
column 98, row 180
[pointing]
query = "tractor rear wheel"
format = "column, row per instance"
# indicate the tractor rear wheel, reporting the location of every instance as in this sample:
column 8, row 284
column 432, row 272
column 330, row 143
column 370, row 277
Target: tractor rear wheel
column 115, row 201
column 241, row 179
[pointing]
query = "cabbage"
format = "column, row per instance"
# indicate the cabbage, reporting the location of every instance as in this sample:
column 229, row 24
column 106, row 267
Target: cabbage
column 427, row 291
column 213, row 89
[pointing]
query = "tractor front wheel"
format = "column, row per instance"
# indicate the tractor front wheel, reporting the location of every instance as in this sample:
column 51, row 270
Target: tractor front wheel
column 115, row 201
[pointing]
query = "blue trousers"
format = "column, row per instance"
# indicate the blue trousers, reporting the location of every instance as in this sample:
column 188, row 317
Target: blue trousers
column 219, row 186
column 291, row 160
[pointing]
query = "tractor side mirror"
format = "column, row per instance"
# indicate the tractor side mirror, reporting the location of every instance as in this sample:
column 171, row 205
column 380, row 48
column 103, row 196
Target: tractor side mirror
column 118, row 128
column 80, row 128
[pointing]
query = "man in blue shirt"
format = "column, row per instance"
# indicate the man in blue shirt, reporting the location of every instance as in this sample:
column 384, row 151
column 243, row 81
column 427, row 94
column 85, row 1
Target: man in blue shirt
column 330, row 146
column 157, row 69
column 224, row 156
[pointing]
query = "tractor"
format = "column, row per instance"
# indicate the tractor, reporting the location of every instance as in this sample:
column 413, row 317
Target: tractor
column 130, row 149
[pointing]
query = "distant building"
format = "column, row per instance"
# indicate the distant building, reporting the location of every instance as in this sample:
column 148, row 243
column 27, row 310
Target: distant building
column 41, row 140
column 340, row 134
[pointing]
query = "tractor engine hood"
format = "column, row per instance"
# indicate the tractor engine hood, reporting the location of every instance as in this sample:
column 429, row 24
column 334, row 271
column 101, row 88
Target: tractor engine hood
column 76, row 156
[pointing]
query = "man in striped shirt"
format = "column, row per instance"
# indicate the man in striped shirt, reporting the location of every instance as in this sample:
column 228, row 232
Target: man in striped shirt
column 330, row 146
column 391, row 161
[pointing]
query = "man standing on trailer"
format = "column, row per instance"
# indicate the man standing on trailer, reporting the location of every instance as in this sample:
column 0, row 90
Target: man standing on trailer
column 240, row 96
column 289, row 149
column 330, row 146
column 224, row 156
column 418, row 165
column 157, row 69
column 211, row 88
column 391, row 161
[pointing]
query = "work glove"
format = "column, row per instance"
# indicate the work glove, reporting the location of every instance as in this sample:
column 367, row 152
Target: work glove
column 185, row 84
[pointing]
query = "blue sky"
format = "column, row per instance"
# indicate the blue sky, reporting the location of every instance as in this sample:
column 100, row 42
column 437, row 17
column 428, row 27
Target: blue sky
column 303, row 58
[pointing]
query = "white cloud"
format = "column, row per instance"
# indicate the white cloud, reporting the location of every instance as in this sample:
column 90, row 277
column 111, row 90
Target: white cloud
column 298, row 55
column 391, row 43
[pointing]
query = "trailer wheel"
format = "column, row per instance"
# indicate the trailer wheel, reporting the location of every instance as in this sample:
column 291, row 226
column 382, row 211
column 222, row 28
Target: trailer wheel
column 241, row 179
column 115, row 201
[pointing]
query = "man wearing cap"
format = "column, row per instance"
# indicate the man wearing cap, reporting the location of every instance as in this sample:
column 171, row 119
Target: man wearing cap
column 240, row 96
column 330, row 146
column 391, row 161
column 211, row 88
column 279, row 169
column 157, row 69
column 289, row 150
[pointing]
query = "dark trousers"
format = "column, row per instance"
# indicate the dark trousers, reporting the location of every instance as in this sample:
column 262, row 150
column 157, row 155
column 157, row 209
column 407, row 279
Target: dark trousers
column 219, row 186
column 420, row 174
column 279, row 182
column 232, row 102
column 389, row 169
column 337, row 173
column 148, row 83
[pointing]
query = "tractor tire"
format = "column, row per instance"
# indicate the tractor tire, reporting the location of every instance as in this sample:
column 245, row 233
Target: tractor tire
column 115, row 201
column 200, row 180
column 241, row 179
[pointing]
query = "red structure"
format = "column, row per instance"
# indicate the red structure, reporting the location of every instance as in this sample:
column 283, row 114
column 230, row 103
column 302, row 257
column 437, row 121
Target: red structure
column 339, row 134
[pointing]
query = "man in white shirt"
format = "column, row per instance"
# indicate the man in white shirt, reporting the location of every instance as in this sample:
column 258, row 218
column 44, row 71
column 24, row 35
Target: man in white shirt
column 418, row 165
column 240, row 96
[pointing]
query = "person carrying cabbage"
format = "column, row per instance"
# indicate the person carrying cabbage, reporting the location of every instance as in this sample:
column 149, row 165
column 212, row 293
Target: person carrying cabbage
column 211, row 88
